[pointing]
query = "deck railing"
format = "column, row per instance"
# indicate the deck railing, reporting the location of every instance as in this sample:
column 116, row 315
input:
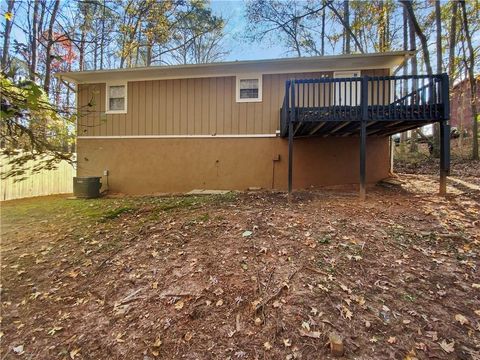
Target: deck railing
column 369, row 98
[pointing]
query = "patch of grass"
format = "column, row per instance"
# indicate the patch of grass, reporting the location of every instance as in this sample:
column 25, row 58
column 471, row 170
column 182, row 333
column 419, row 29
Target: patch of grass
column 409, row 297
column 204, row 217
column 324, row 239
column 113, row 214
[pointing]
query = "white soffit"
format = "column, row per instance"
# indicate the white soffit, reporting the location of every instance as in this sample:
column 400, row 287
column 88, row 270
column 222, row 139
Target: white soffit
column 275, row 66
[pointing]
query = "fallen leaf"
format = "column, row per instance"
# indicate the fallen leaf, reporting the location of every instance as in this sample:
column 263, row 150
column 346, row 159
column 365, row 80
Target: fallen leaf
column 287, row 342
column 247, row 233
column 421, row 346
column 277, row 304
column 346, row 313
column 345, row 288
column 18, row 349
column 74, row 353
column 218, row 291
column 311, row 334
column 73, row 274
column 476, row 286
column 87, row 262
column 258, row 321
column 155, row 285
column 119, row 339
column 179, row 305
column 447, row 347
column 188, row 336
column 267, row 345
column 306, row 325
column 157, row 343
column 392, row 340
column 461, row 319
column 55, row 329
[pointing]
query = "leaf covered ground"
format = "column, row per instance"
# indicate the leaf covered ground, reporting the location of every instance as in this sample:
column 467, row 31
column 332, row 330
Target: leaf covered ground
column 244, row 276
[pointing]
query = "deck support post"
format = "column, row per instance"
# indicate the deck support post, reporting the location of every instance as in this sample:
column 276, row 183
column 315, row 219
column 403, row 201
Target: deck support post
column 444, row 135
column 363, row 137
column 444, row 156
column 363, row 145
column 290, row 156
column 291, row 119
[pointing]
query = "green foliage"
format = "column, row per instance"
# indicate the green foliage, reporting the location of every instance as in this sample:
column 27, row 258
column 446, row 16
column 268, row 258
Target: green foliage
column 32, row 128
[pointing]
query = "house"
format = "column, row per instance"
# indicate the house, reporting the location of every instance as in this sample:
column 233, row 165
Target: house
column 275, row 124
column 461, row 116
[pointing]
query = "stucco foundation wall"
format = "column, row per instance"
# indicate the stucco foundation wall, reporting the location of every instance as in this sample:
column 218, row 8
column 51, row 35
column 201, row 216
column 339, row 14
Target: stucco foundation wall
column 164, row 165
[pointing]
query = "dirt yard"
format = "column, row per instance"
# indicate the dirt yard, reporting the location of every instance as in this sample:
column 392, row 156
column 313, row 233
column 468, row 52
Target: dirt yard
column 245, row 276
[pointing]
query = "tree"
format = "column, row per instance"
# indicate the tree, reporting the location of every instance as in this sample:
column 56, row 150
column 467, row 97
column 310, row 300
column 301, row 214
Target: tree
column 198, row 37
column 346, row 14
column 472, row 79
column 31, row 128
column 50, row 42
column 6, row 34
column 419, row 32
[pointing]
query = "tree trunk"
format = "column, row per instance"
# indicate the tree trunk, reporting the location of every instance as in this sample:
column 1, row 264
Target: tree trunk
column 403, row 135
column 453, row 43
column 81, row 50
column 346, row 15
column 381, row 28
column 472, row 80
column 33, row 42
column 102, row 37
column 149, row 54
column 50, row 42
column 414, row 71
column 419, row 33
column 323, row 33
column 346, row 26
column 438, row 28
column 6, row 35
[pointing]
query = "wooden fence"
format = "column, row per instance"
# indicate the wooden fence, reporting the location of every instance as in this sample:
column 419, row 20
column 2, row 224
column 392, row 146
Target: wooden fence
column 44, row 182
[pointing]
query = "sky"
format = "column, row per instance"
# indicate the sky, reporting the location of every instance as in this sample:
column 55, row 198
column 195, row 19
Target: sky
column 233, row 11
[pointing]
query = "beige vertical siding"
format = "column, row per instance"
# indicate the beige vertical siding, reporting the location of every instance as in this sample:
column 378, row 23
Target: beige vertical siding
column 200, row 106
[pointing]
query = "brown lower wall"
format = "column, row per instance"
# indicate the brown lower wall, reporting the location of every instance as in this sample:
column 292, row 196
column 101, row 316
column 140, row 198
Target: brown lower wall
column 162, row 165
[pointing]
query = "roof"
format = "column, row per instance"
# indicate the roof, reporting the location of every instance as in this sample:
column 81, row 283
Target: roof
column 266, row 66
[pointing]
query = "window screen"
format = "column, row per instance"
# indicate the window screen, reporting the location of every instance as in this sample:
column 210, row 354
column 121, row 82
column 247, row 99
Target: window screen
column 248, row 88
column 116, row 98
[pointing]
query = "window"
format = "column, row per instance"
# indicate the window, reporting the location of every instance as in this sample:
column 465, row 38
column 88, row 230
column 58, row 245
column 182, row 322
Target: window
column 249, row 88
column 116, row 98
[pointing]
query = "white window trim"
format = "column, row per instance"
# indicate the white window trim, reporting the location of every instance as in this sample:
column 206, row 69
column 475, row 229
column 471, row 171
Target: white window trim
column 107, row 97
column 246, row 77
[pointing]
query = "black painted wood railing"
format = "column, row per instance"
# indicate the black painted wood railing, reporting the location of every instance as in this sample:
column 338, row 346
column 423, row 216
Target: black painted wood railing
column 415, row 98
